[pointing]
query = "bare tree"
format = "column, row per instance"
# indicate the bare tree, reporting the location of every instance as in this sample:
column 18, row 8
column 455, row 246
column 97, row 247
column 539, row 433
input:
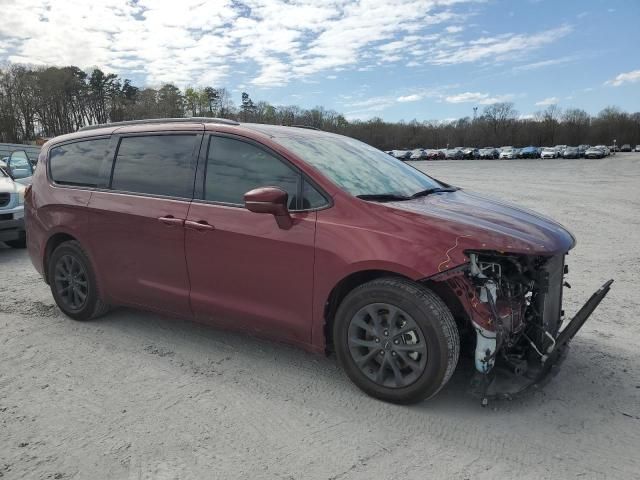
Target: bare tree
column 51, row 101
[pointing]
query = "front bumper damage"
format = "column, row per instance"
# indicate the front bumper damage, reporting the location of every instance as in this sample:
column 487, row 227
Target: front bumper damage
column 505, row 383
column 514, row 306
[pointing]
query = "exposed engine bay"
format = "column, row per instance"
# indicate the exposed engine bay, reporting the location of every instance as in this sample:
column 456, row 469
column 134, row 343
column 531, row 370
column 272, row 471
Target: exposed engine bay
column 514, row 305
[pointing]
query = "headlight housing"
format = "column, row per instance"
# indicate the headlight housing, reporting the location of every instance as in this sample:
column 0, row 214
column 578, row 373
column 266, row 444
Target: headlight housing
column 21, row 197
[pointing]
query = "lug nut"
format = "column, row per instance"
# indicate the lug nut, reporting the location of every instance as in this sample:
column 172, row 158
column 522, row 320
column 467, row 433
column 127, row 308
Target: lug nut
column 386, row 333
column 377, row 340
column 393, row 354
column 381, row 352
column 396, row 341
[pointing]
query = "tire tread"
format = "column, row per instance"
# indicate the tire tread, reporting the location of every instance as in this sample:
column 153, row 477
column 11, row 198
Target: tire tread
column 425, row 298
column 100, row 308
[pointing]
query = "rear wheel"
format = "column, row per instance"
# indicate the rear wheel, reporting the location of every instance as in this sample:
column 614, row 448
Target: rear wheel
column 73, row 283
column 396, row 340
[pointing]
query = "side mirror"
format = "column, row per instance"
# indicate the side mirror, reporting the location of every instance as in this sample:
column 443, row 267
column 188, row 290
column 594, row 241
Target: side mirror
column 271, row 200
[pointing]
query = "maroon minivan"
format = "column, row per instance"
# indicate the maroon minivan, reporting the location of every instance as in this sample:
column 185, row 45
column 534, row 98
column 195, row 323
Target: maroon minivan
column 306, row 237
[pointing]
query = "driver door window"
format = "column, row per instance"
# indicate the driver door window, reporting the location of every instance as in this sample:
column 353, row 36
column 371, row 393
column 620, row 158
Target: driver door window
column 234, row 167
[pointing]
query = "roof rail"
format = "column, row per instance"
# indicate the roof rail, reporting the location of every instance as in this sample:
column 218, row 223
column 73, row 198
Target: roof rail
column 308, row 127
column 223, row 121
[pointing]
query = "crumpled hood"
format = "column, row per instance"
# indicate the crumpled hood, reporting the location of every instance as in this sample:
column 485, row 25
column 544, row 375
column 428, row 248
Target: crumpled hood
column 490, row 224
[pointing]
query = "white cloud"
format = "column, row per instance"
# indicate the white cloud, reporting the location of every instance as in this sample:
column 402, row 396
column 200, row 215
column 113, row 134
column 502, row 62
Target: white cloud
column 548, row 101
column 477, row 97
column 410, row 98
column 194, row 42
column 629, row 77
column 501, row 47
column 545, row 63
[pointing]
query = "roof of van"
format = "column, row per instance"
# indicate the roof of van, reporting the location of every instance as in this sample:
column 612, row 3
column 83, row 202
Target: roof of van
column 209, row 124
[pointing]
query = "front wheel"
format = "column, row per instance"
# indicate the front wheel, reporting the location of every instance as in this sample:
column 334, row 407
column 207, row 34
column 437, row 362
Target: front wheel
column 396, row 340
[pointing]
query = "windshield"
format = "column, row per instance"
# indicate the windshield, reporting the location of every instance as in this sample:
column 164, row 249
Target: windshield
column 357, row 167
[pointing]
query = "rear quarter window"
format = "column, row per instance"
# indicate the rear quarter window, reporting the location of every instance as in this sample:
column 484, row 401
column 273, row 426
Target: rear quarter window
column 78, row 163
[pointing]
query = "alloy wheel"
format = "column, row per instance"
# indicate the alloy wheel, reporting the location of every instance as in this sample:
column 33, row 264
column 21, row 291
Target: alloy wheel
column 387, row 345
column 71, row 282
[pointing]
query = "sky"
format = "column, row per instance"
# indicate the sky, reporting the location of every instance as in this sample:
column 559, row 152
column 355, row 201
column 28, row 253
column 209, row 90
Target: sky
column 394, row 59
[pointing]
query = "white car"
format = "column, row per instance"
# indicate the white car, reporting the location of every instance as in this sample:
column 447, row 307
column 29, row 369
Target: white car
column 11, row 211
column 604, row 149
column 417, row 154
column 401, row 154
column 637, row 149
column 508, row 152
column 549, row 153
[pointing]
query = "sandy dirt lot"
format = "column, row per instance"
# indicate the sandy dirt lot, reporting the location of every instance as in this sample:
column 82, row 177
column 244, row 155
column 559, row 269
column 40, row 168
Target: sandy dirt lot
column 139, row 396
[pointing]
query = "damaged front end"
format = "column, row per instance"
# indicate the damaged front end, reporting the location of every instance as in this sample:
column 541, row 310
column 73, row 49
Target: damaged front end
column 514, row 304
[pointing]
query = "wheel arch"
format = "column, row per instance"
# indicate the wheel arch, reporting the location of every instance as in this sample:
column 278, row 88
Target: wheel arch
column 355, row 279
column 53, row 242
column 341, row 290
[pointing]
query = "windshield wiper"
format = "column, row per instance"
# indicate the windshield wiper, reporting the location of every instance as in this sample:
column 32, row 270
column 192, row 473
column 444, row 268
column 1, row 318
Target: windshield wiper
column 394, row 197
column 429, row 191
column 383, row 197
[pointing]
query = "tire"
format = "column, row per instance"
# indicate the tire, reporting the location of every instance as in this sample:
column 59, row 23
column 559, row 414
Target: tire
column 425, row 355
column 69, row 257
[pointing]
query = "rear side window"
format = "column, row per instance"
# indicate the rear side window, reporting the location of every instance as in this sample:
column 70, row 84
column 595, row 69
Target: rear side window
column 156, row 165
column 78, row 163
column 234, row 167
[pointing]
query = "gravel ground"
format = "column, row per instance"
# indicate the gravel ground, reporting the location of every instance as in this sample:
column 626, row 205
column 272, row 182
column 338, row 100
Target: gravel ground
column 139, row 396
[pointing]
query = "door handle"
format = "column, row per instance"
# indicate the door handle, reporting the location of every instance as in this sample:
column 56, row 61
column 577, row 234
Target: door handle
column 171, row 220
column 200, row 225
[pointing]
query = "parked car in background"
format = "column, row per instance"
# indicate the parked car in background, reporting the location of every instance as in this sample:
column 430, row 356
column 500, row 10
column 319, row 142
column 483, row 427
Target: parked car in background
column 417, row 154
column 529, row 152
column 454, row 154
column 625, row 148
column 470, row 153
column 11, row 211
column 594, row 152
column 549, row 152
column 509, row 152
column 582, row 149
column 401, row 154
column 19, row 167
column 605, row 150
column 571, row 152
column 435, row 155
column 274, row 212
column 637, row 148
column 488, row 153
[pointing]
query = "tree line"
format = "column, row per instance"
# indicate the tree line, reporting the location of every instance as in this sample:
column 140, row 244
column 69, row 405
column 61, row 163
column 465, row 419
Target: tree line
column 49, row 101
